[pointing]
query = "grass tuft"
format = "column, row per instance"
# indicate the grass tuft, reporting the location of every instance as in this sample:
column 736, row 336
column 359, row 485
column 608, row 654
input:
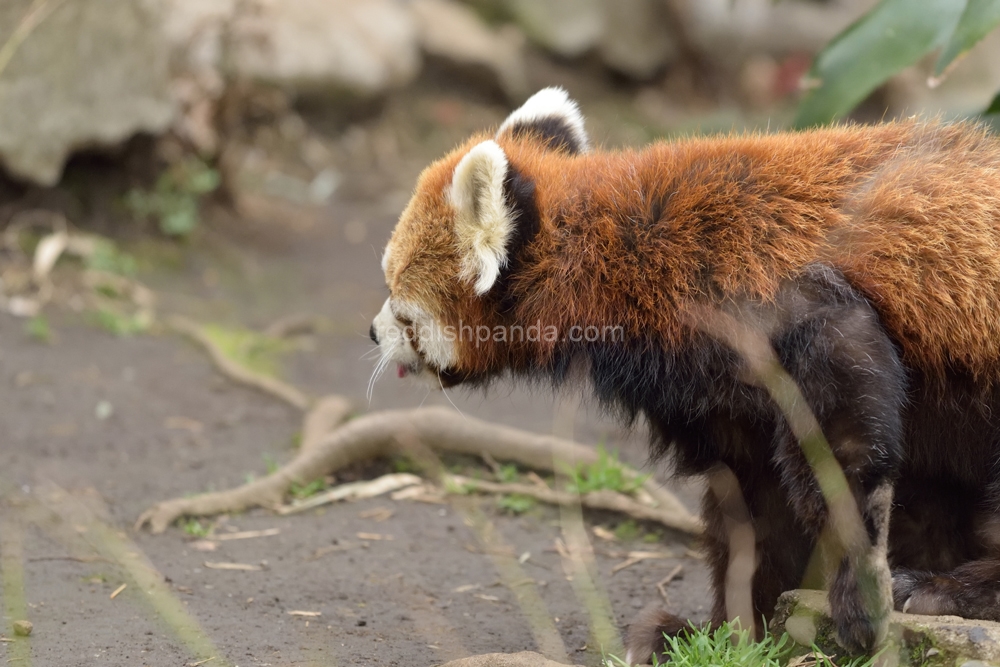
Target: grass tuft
column 516, row 503
column 730, row 646
column 605, row 473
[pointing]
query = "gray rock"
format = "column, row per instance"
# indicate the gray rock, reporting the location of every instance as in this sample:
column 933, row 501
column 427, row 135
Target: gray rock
column 934, row 641
column 637, row 39
column 454, row 32
column 568, row 28
column 522, row 659
column 91, row 73
column 320, row 46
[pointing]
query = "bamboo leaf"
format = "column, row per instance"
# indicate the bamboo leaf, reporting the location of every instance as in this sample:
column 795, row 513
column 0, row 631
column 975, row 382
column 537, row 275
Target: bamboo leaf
column 894, row 35
column 979, row 19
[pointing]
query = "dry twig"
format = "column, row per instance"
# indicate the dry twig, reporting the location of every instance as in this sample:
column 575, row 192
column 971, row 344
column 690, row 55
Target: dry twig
column 662, row 584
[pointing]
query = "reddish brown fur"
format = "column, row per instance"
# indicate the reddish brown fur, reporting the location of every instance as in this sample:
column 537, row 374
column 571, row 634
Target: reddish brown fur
column 908, row 212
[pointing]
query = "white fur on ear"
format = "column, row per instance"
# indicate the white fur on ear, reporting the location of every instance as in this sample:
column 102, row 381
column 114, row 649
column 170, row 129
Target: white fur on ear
column 385, row 256
column 483, row 223
column 550, row 104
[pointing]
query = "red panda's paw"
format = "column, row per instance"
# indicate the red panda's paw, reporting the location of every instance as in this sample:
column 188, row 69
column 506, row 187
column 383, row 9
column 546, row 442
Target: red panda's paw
column 970, row 591
column 860, row 603
column 909, row 594
column 645, row 634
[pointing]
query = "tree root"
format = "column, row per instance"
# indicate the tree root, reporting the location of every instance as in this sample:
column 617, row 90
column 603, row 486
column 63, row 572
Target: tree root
column 329, row 444
column 237, row 372
column 604, row 499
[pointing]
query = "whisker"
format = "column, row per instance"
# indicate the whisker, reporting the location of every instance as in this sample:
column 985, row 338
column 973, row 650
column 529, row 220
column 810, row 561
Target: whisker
column 380, row 367
column 445, row 392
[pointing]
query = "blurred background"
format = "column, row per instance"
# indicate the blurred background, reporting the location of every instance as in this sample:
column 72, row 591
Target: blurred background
column 242, row 162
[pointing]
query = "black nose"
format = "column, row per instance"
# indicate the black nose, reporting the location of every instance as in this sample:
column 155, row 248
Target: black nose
column 373, row 335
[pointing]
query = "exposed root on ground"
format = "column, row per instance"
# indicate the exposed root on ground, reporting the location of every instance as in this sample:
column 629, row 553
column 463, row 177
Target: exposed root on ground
column 604, row 499
column 237, row 372
column 330, row 444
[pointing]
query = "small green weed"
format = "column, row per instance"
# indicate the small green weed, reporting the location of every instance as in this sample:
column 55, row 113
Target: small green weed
column 516, row 503
column 106, row 256
column 254, row 350
column 174, row 200
column 303, row 491
column 726, row 647
column 194, row 528
column 507, row 473
column 270, row 465
column 628, row 530
column 403, row 464
column 121, row 324
column 605, row 473
column 653, row 537
column 455, row 488
column 38, row 328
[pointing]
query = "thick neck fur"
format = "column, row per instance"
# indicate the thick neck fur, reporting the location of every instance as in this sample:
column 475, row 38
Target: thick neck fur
column 636, row 239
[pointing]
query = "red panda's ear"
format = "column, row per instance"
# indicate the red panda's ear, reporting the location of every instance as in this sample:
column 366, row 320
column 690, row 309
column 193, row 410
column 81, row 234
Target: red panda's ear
column 552, row 116
column 483, row 223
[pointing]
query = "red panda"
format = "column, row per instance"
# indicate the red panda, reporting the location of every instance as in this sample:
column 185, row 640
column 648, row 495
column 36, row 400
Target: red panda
column 869, row 257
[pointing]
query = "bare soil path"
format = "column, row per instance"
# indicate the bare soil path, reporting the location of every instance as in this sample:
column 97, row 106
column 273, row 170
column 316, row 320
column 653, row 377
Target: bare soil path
column 94, row 429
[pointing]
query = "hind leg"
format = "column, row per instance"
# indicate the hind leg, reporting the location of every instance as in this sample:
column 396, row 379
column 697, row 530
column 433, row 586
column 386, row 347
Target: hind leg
column 751, row 561
column 971, row 591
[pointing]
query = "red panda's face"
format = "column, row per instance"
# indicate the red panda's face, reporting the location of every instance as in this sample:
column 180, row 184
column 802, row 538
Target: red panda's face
column 451, row 244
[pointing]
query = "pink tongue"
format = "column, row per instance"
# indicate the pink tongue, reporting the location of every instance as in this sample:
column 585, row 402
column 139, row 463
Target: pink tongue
column 401, row 371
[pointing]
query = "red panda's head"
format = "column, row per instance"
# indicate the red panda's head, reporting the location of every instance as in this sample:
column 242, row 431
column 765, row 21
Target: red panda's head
column 453, row 242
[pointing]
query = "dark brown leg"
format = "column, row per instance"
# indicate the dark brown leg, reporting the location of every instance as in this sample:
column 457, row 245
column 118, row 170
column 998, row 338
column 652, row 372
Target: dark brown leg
column 751, row 561
column 971, row 590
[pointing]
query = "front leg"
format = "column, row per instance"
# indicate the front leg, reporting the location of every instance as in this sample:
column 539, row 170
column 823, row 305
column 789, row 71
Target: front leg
column 848, row 372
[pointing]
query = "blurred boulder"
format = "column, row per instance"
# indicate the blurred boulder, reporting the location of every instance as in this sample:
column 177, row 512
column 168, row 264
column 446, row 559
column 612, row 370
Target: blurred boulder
column 80, row 74
column 455, row 33
column 728, row 31
column 567, row 28
column 637, row 39
column 633, row 37
column 319, row 46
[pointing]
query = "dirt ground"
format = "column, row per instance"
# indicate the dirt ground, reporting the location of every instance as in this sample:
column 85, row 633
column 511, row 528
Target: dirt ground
column 97, row 428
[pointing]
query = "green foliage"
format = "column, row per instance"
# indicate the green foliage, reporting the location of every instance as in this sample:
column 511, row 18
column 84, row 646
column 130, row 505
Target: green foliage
column 627, row 530
column 516, row 503
column 653, row 537
column 994, row 108
column 303, row 491
column 403, row 464
column 729, row 646
column 248, row 348
column 174, row 200
column 507, row 473
column 121, row 324
column 893, row 35
column 194, row 528
column 38, row 328
column 107, row 257
column 605, row 473
column 270, row 465
column 979, row 18
column 725, row 647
